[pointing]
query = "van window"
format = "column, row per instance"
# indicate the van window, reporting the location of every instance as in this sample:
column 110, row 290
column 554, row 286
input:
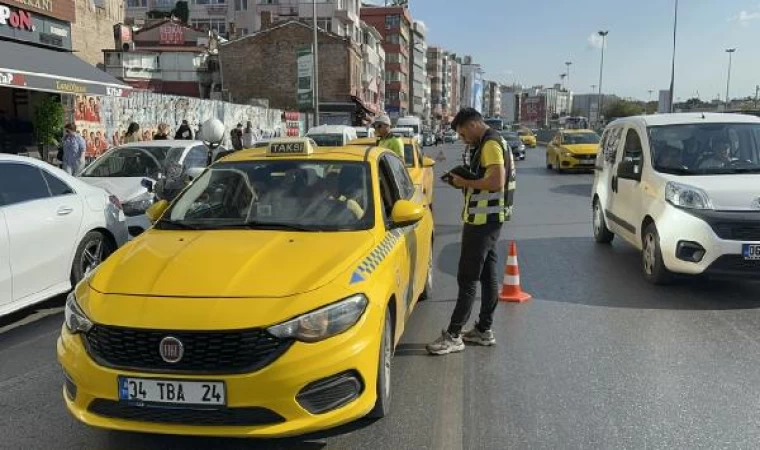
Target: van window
column 328, row 140
column 612, row 144
column 633, row 148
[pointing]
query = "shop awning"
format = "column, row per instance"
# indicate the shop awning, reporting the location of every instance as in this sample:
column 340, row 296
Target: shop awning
column 29, row 67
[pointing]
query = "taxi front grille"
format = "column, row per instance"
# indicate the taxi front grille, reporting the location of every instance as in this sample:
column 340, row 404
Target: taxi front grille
column 205, row 352
column 186, row 416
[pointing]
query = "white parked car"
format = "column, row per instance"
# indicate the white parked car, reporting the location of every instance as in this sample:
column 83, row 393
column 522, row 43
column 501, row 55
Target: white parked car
column 332, row 135
column 683, row 189
column 364, row 132
column 54, row 229
column 121, row 171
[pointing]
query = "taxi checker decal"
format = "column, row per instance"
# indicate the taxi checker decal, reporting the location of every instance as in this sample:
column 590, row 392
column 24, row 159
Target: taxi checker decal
column 378, row 254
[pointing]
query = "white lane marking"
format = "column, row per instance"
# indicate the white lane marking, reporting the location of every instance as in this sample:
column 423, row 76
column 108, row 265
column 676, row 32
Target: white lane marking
column 39, row 315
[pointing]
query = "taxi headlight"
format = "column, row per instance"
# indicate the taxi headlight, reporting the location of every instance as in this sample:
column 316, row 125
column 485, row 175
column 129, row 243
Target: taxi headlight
column 323, row 323
column 138, row 205
column 74, row 318
column 568, row 154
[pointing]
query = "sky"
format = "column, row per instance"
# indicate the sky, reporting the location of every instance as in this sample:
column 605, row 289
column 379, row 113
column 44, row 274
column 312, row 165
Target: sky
column 528, row 42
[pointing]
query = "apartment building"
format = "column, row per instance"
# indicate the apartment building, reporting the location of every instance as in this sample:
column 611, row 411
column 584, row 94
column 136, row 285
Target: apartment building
column 420, row 103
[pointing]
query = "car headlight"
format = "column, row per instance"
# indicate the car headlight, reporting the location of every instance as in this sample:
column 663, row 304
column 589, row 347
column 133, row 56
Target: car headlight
column 568, row 154
column 74, row 318
column 138, row 205
column 324, row 322
column 521, row 146
column 685, row 196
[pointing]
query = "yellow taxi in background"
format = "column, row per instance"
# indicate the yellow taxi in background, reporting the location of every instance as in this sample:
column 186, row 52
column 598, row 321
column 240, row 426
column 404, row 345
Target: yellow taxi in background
column 265, row 301
column 420, row 167
column 527, row 137
column 572, row 149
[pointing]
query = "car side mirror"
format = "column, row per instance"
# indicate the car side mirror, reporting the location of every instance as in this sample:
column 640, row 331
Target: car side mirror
column 156, row 210
column 148, row 184
column 630, row 170
column 428, row 162
column 406, row 213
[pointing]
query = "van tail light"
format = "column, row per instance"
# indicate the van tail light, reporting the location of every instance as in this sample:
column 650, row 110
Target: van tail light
column 115, row 201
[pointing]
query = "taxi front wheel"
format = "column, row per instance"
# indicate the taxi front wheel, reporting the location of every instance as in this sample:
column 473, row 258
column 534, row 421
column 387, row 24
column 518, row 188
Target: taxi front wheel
column 428, row 291
column 651, row 257
column 383, row 403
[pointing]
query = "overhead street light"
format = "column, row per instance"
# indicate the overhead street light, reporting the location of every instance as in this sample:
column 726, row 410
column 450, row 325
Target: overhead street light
column 568, row 64
column 730, row 52
column 603, row 35
column 673, row 61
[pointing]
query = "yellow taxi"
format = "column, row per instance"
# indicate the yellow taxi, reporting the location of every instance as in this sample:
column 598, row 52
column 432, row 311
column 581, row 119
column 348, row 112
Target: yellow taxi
column 265, row 301
column 572, row 149
column 528, row 138
column 420, row 167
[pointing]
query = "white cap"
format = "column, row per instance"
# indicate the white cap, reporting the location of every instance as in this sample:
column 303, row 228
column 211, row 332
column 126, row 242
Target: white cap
column 382, row 119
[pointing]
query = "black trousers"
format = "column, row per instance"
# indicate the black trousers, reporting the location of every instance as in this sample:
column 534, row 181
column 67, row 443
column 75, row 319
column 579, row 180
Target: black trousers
column 477, row 263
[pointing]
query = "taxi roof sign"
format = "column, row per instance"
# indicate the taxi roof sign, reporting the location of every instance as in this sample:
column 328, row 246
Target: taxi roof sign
column 290, row 147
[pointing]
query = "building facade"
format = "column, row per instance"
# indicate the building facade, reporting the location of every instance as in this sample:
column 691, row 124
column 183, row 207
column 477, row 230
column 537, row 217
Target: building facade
column 94, row 24
column 492, row 99
column 340, row 71
column 511, row 100
column 166, row 57
column 395, row 25
column 373, row 74
column 472, row 85
column 435, row 75
column 420, row 104
column 237, row 18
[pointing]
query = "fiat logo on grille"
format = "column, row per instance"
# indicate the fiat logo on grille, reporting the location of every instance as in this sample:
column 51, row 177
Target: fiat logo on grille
column 171, row 349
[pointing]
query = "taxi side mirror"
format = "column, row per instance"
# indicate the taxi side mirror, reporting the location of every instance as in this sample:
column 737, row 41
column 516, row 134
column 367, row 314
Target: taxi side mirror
column 406, row 213
column 156, row 210
column 428, row 162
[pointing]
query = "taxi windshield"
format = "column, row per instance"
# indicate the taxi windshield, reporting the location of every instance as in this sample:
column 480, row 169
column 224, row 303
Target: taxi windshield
column 580, row 138
column 283, row 195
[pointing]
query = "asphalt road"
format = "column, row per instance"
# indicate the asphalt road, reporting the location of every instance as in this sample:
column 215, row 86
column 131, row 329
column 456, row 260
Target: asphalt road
column 598, row 359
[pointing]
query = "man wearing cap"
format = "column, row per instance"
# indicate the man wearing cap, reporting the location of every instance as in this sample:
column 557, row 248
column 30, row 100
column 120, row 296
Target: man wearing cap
column 386, row 139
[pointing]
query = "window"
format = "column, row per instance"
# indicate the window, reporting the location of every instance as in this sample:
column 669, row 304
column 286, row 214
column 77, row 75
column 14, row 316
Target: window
column 137, row 3
column 325, row 24
column 196, row 157
column 392, row 21
column 218, row 25
column 403, row 182
column 611, row 144
column 633, row 148
column 21, row 183
column 55, row 185
column 241, row 5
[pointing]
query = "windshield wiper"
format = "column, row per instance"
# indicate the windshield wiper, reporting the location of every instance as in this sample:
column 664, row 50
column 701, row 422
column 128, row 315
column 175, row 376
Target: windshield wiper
column 171, row 224
column 675, row 170
column 258, row 225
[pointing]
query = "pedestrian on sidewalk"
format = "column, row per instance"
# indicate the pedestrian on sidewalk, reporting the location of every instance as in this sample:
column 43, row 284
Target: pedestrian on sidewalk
column 385, row 138
column 74, row 148
column 163, row 132
column 184, row 132
column 487, row 205
column 249, row 136
column 133, row 133
column 236, row 136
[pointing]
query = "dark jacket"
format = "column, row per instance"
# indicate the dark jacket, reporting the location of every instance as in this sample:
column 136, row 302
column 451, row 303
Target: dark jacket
column 184, row 133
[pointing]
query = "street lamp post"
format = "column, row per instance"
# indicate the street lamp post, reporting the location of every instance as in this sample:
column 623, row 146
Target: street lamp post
column 730, row 52
column 650, row 100
column 315, row 66
column 673, row 61
column 603, row 34
column 593, row 88
column 568, row 64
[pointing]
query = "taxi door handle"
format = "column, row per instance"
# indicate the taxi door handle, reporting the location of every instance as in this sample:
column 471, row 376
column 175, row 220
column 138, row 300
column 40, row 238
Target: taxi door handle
column 64, row 210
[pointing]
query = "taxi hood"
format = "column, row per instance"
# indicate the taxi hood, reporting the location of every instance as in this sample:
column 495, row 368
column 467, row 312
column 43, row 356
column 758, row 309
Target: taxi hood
column 229, row 263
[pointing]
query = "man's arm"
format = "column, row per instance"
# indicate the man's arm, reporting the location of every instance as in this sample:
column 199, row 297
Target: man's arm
column 494, row 180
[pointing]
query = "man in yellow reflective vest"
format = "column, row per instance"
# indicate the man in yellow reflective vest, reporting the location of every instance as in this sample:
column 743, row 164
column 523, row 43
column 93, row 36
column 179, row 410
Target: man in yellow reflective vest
column 385, row 138
column 487, row 205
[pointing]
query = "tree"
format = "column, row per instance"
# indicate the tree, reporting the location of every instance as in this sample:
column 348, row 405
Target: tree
column 48, row 120
column 181, row 11
column 622, row 108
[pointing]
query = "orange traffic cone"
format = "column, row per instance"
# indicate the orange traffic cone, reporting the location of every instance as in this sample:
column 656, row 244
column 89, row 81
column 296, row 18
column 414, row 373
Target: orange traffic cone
column 511, row 290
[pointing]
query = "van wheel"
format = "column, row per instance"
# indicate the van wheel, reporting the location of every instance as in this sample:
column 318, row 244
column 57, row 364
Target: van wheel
column 602, row 234
column 383, row 403
column 93, row 250
column 651, row 258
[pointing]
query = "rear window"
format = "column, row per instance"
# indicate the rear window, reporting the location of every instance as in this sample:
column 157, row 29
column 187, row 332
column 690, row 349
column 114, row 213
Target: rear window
column 328, row 140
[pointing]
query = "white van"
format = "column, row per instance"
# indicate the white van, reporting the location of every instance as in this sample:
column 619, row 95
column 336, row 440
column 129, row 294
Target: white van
column 685, row 190
column 415, row 123
column 332, row 135
column 364, row 132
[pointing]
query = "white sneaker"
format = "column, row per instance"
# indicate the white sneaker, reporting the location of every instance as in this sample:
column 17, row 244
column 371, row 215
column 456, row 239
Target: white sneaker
column 446, row 344
column 477, row 337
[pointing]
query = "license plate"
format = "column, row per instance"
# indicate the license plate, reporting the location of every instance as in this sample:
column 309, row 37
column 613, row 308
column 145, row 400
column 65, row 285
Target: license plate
column 175, row 392
column 751, row 251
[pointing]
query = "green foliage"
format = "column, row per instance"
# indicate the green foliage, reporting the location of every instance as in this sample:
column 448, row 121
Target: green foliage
column 622, row 108
column 181, row 11
column 48, row 120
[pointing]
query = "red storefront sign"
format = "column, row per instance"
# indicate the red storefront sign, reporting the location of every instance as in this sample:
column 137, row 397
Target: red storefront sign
column 12, row 79
column 16, row 18
column 171, row 34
